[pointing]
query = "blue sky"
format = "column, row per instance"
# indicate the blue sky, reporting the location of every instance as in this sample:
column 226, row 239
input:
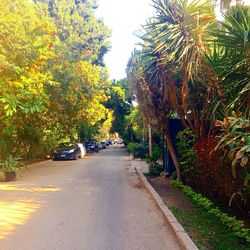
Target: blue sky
column 124, row 17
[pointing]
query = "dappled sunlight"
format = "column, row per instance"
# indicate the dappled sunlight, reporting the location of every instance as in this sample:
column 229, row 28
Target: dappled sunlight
column 6, row 187
column 15, row 213
column 88, row 156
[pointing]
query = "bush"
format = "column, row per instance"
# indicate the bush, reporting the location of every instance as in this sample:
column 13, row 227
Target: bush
column 11, row 164
column 186, row 151
column 154, row 167
column 138, row 150
column 157, row 152
column 236, row 226
column 131, row 147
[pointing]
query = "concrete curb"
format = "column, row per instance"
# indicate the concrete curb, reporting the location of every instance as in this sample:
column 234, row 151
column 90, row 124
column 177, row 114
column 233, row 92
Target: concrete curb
column 183, row 239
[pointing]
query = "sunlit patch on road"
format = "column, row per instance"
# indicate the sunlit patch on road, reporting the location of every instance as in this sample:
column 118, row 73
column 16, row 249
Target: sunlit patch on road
column 31, row 189
column 87, row 156
column 15, row 213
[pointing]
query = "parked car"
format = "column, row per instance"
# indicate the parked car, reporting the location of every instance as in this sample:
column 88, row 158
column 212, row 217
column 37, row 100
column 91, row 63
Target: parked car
column 99, row 145
column 67, row 151
column 83, row 149
column 103, row 143
column 92, row 146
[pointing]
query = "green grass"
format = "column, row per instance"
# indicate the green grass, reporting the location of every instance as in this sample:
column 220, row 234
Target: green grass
column 209, row 232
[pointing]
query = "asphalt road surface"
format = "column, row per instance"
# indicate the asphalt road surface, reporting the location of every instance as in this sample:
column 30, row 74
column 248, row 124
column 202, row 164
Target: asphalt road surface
column 96, row 203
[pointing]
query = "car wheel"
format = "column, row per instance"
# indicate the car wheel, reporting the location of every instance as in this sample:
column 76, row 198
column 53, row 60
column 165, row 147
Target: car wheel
column 75, row 157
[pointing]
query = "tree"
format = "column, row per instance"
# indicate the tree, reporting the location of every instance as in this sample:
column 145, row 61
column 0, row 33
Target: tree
column 82, row 38
column 197, row 68
column 26, row 44
column 120, row 103
column 52, row 75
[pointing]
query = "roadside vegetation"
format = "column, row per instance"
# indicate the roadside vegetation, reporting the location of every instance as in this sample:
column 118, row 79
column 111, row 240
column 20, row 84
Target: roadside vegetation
column 194, row 67
column 53, row 82
column 207, row 231
column 231, row 224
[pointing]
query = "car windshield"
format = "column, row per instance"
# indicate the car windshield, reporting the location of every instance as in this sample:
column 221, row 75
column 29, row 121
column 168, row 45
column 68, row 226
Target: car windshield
column 66, row 145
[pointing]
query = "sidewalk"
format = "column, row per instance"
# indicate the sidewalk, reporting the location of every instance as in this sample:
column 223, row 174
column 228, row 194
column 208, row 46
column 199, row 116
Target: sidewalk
column 183, row 239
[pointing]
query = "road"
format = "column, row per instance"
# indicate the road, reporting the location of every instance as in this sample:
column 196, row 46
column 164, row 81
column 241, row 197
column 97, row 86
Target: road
column 96, row 203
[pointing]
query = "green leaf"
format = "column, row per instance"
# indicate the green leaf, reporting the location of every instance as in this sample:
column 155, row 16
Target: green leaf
column 245, row 148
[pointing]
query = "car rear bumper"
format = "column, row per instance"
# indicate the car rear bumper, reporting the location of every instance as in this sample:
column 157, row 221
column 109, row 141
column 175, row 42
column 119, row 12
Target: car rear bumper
column 63, row 156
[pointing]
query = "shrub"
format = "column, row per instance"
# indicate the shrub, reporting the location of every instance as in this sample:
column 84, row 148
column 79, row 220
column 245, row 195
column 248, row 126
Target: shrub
column 11, row 164
column 234, row 140
column 130, row 147
column 154, row 167
column 235, row 225
column 186, row 152
column 208, row 171
column 157, row 152
column 138, row 150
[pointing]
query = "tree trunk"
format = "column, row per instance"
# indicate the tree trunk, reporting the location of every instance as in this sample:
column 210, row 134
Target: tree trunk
column 150, row 141
column 173, row 155
column 174, row 101
column 143, row 133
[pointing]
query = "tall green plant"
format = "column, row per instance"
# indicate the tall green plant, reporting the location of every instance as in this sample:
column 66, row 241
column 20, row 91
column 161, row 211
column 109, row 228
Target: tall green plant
column 186, row 151
column 11, row 164
column 235, row 142
column 229, row 60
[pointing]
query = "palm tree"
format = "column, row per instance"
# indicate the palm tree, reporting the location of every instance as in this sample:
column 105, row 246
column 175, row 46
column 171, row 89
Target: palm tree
column 173, row 54
column 179, row 32
column 230, row 60
column 189, row 69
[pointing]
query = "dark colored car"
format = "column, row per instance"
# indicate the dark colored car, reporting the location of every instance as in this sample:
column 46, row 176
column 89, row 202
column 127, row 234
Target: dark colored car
column 103, row 143
column 99, row 145
column 92, row 146
column 67, row 151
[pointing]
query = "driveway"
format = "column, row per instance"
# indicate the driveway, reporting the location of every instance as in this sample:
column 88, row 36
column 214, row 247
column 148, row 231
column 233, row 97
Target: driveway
column 96, row 203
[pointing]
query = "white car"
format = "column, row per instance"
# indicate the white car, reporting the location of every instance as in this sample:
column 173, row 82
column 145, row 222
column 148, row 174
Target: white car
column 83, row 150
